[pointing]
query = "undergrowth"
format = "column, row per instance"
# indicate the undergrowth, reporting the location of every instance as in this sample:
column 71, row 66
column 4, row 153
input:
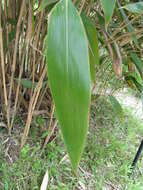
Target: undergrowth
column 110, row 148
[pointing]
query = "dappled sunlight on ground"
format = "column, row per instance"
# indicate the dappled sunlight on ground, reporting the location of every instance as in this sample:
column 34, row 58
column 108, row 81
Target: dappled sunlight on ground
column 130, row 101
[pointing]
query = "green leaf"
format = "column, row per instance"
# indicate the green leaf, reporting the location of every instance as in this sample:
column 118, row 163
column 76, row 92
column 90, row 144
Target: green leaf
column 12, row 34
column 108, row 8
column 134, row 7
column 116, row 107
column 92, row 66
column 12, row 21
column 131, row 79
column 93, row 44
column 69, row 75
column 101, row 21
column 128, row 24
column 138, row 63
column 46, row 3
column 28, row 83
column 142, row 99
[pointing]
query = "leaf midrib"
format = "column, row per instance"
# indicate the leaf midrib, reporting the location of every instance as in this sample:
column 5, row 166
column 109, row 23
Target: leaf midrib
column 67, row 43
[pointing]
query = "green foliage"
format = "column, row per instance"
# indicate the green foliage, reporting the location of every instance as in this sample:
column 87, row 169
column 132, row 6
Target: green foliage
column 116, row 107
column 132, row 80
column 93, row 44
column 138, row 63
column 40, row 120
column 25, row 173
column 128, row 24
column 46, row 4
column 29, row 84
column 69, row 75
column 110, row 149
column 135, row 7
column 108, row 8
column 24, row 152
column 77, row 33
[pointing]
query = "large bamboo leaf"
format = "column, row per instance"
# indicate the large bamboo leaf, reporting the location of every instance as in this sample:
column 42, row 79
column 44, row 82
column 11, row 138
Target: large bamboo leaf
column 108, row 8
column 69, row 75
column 93, row 44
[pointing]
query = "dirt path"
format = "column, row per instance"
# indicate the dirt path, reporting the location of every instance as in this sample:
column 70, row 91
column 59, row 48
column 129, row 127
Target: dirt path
column 130, row 101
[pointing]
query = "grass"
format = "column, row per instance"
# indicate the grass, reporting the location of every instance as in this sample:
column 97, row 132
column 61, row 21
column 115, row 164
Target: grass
column 105, row 165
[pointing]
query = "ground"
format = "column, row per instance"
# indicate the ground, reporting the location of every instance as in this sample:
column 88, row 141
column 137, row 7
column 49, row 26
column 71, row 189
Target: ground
column 105, row 165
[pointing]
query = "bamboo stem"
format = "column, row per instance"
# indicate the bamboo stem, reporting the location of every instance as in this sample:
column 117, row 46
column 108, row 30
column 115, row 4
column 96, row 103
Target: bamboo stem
column 32, row 105
column 3, row 75
column 15, row 55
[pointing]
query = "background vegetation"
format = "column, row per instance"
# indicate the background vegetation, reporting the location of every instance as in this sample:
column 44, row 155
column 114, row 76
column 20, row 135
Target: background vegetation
column 114, row 34
column 109, row 152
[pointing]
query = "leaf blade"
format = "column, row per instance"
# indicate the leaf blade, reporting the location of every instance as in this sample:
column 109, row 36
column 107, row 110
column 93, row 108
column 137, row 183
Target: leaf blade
column 45, row 4
column 129, row 25
column 134, row 7
column 93, row 44
column 108, row 8
column 138, row 63
column 69, row 76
